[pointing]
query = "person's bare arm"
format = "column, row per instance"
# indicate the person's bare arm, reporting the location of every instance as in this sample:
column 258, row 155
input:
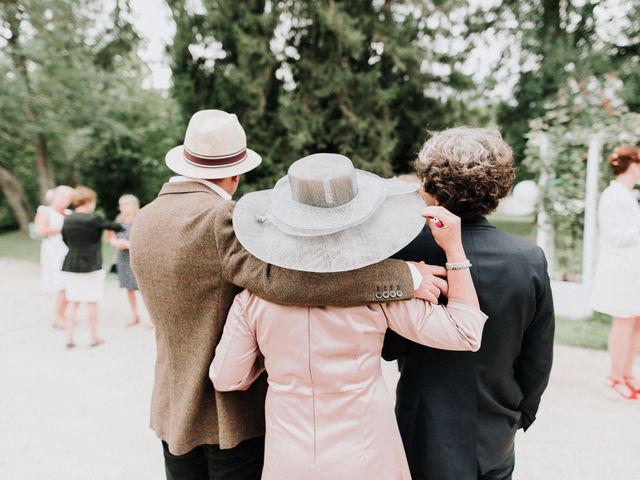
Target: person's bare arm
column 113, row 240
column 460, row 283
column 290, row 287
column 449, row 238
column 42, row 226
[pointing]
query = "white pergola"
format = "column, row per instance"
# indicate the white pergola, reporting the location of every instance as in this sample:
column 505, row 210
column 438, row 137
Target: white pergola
column 572, row 298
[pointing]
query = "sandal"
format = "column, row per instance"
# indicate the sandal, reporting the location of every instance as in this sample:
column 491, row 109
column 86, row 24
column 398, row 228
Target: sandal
column 70, row 345
column 632, row 383
column 96, row 342
column 622, row 388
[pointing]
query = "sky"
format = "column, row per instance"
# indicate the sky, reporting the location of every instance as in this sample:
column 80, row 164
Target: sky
column 152, row 19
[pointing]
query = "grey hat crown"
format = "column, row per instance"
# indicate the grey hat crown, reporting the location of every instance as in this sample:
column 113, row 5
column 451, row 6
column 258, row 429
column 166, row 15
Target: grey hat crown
column 323, row 180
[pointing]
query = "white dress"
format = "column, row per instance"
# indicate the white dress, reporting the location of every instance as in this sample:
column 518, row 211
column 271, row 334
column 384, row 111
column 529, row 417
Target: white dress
column 52, row 253
column 616, row 286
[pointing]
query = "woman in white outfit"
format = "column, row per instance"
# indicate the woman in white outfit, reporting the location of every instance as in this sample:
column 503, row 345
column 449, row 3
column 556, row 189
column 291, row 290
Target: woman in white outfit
column 616, row 285
column 48, row 226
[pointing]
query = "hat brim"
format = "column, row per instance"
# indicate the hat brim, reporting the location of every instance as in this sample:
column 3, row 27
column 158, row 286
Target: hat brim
column 177, row 163
column 395, row 223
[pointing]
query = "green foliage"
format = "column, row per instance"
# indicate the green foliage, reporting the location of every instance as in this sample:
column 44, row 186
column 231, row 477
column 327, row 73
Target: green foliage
column 582, row 109
column 524, row 228
column 554, row 40
column 77, row 84
column 123, row 149
column 310, row 76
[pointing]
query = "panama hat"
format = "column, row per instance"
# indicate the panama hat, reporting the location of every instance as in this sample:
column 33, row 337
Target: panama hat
column 215, row 146
column 326, row 216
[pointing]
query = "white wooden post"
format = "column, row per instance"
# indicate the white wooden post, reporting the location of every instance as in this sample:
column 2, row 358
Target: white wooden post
column 544, row 232
column 594, row 157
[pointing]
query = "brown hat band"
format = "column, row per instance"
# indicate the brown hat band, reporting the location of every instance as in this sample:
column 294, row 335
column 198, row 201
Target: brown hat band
column 210, row 161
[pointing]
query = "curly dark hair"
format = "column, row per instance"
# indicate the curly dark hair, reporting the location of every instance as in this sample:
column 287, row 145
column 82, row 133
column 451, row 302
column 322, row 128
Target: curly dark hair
column 468, row 170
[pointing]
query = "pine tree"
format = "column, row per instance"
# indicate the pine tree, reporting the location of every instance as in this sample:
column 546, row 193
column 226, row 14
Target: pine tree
column 307, row 76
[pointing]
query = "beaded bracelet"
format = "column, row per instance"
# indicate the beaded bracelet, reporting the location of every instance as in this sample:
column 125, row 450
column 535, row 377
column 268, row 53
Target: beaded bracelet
column 457, row 266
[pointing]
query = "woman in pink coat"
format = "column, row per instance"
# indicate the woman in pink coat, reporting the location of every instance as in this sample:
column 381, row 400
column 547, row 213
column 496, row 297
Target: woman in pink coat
column 329, row 414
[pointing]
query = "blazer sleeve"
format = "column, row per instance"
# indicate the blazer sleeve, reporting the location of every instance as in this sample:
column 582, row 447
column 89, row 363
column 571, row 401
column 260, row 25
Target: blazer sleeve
column 289, row 287
column 107, row 225
column 533, row 365
column 395, row 346
column 237, row 361
column 65, row 237
column 458, row 326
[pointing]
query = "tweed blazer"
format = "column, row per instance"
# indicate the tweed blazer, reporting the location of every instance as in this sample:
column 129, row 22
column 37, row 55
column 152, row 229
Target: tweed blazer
column 189, row 266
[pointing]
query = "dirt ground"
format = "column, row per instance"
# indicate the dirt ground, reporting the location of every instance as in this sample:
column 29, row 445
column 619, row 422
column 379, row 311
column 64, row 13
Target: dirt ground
column 83, row 414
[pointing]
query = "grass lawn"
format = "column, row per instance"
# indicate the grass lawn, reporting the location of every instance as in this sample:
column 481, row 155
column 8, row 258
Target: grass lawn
column 20, row 246
column 588, row 333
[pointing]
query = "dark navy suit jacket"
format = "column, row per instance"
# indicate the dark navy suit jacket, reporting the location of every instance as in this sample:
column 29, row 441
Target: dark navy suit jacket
column 459, row 411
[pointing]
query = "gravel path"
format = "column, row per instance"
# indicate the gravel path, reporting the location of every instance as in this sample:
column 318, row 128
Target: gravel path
column 83, row 414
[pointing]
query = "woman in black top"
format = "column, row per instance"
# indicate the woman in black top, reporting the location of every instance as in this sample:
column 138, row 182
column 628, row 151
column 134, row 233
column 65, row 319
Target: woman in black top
column 82, row 267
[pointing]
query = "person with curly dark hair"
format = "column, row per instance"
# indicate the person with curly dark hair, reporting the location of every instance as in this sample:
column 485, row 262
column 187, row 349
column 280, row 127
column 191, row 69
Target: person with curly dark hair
column 467, row 178
column 459, row 412
column 615, row 285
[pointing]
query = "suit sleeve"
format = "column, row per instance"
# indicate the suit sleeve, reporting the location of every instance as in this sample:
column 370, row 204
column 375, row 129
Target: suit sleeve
column 237, row 361
column 64, row 232
column 533, row 366
column 458, row 326
column 289, row 287
column 395, row 346
column 107, row 225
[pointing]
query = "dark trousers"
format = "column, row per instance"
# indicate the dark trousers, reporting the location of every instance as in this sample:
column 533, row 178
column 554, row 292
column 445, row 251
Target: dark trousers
column 210, row 462
column 503, row 471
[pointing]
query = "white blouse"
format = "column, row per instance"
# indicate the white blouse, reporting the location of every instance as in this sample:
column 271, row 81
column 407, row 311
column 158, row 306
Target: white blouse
column 616, row 287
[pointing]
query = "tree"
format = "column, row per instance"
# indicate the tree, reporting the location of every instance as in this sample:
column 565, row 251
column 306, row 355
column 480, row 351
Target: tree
column 366, row 74
column 222, row 59
column 582, row 108
column 307, row 76
column 552, row 41
column 73, row 103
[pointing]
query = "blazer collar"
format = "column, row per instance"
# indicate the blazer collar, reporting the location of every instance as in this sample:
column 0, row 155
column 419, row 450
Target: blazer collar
column 482, row 223
column 171, row 188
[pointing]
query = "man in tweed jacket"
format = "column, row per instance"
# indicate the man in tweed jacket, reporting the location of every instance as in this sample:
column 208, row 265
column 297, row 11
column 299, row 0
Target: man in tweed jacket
column 189, row 266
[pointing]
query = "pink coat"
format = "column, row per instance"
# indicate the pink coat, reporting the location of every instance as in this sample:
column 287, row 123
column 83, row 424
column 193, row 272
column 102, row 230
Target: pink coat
column 328, row 412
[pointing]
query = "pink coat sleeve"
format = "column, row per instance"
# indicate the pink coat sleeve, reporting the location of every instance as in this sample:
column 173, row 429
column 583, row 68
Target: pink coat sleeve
column 237, row 361
column 458, row 326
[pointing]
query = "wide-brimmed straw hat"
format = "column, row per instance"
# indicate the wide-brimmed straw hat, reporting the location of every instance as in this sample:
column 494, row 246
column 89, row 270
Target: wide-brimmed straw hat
column 215, row 146
column 326, row 216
